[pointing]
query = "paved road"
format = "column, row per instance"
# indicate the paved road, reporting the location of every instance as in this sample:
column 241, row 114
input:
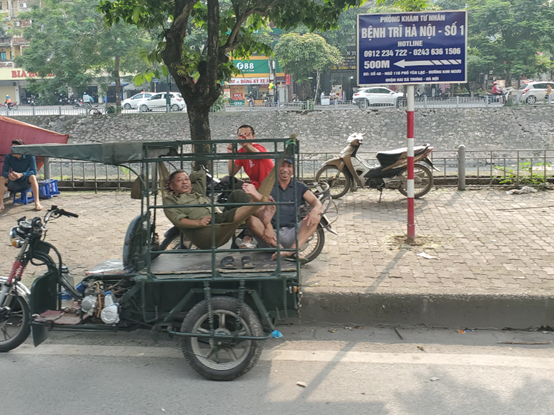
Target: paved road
column 363, row 370
column 27, row 110
column 474, row 243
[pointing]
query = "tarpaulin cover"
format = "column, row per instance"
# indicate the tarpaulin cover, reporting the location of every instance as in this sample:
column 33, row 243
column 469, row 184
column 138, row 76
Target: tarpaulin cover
column 11, row 129
column 107, row 153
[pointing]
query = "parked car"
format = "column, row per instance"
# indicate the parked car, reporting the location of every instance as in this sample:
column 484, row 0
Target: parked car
column 377, row 96
column 159, row 101
column 131, row 103
column 534, row 91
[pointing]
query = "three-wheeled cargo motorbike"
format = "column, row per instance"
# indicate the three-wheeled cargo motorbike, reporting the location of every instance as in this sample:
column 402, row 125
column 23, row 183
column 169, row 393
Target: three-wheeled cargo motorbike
column 221, row 315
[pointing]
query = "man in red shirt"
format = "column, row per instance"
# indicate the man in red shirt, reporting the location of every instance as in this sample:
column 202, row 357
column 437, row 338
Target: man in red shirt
column 256, row 169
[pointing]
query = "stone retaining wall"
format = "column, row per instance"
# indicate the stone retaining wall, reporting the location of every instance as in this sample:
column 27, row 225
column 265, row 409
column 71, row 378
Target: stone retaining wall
column 326, row 131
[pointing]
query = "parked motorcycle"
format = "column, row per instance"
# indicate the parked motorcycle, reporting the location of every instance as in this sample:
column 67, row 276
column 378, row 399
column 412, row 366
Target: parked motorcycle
column 349, row 171
column 81, row 104
column 174, row 239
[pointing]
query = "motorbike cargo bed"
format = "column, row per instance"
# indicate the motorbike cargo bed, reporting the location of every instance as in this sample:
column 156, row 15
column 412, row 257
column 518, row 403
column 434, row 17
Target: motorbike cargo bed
column 193, row 265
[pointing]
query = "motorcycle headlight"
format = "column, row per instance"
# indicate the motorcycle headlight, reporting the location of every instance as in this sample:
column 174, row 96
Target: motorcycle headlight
column 15, row 238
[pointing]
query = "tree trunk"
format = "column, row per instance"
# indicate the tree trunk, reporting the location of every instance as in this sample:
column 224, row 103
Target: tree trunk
column 199, row 120
column 508, row 78
column 117, row 83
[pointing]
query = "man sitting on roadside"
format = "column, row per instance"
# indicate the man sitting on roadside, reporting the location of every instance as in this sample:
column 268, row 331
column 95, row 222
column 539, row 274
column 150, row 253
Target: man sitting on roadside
column 256, row 169
column 19, row 174
column 283, row 191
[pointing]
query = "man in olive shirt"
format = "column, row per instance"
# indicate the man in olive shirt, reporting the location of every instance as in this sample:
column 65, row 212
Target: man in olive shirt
column 191, row 190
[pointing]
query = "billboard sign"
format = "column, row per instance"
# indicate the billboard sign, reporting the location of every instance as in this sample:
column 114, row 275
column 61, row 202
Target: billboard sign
column 412, row 48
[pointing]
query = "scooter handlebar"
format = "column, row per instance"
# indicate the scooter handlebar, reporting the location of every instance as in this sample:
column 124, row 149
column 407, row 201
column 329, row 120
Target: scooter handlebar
column 66, row 213
column 56, row 211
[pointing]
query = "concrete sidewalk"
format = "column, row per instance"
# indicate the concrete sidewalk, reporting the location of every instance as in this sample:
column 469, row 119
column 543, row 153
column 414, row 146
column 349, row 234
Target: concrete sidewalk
column 488, row 256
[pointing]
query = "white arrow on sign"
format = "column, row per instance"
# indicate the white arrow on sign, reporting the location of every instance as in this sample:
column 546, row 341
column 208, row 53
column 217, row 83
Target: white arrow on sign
column 403, row 63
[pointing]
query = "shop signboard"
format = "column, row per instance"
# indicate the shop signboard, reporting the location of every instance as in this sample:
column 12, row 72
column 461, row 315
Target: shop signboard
column 249, row 81
column 253, row 66
column 412, row 48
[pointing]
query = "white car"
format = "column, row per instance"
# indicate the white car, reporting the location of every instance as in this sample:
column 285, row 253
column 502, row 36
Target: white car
column 159, row 101
column 377, row 96
column 131, row 103
column 535, row 91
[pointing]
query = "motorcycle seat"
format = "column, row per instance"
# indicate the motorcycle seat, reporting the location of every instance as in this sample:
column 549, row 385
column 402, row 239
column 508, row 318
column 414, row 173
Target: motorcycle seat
column 386, row 158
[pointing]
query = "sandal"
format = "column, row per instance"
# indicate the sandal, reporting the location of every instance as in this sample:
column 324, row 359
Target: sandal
column 247, row 245
column 247, row 262
column 294, row 257
column 228, row 262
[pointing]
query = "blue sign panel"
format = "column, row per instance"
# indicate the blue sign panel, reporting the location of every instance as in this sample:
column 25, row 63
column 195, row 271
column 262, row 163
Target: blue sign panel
column 412, row 48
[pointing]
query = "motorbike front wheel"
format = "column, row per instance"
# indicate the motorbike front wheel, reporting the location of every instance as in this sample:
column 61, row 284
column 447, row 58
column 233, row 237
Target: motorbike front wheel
column 423, row 181
column 339, row 181
column 222, row 359
column 14, row 323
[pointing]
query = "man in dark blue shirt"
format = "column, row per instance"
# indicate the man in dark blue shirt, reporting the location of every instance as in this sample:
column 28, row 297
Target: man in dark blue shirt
column 288, row 221
column 18, row 174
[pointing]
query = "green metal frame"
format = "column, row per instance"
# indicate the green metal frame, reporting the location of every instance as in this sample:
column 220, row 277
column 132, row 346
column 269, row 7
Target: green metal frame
column 273, row 296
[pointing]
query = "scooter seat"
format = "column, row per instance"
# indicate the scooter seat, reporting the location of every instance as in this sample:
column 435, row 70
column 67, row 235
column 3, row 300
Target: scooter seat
column 386, row 158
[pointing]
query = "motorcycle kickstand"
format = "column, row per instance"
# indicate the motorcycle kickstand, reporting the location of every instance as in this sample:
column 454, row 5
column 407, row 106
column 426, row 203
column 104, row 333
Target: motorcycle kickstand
column 380, row 195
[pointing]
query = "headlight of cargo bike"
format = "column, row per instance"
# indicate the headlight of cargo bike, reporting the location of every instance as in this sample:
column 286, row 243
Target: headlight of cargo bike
column 19, row 233
column 14, row 237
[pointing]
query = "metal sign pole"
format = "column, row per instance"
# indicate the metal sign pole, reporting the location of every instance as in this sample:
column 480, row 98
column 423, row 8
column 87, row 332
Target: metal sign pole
column 410, row 184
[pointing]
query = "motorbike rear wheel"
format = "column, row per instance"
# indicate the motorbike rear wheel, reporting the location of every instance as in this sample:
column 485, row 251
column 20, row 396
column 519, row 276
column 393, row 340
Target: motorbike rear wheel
column 339, row 181
column 314, row 245
column 14, row 324
column 224, row 359
column 423, row 181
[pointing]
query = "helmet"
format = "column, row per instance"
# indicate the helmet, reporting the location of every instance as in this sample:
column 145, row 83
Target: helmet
column 494, row 83
column 7, row 96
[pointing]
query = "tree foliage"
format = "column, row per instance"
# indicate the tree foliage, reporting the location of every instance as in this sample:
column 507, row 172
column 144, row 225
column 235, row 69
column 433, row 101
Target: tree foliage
column 230, row 27
column 68, row 39
column 300, row 55
column 508, row 34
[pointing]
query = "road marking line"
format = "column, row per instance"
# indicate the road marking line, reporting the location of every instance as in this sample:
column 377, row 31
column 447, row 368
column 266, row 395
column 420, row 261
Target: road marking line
column 300, row 356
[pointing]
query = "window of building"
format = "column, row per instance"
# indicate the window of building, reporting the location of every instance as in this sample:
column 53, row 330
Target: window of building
column 2, row 56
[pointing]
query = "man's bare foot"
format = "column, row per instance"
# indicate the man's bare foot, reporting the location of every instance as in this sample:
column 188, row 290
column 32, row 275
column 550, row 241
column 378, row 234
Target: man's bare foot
column 2, row 207
column 38, row 207
column 285, row 255
column 266, row 213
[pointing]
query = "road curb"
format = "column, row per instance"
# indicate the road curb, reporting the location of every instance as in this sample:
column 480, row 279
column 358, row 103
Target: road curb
column 442, row 310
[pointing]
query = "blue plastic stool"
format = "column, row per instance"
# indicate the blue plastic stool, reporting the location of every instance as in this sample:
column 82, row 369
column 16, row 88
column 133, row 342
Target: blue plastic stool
column 25, row 196
column 52, row 187
column 44, row 190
